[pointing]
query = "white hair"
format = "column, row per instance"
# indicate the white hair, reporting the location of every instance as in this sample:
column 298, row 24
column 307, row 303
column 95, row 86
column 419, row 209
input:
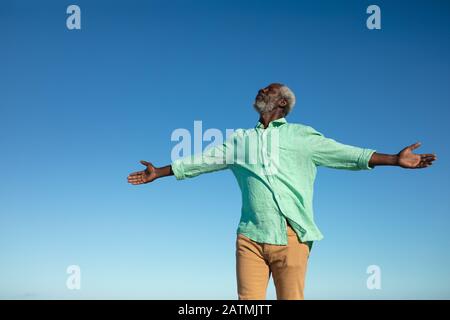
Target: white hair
column 269, row 103
column 289, row 96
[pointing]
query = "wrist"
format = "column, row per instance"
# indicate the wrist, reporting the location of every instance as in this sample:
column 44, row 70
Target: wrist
column 396, row 160
column 163, row 172
column 157, row 172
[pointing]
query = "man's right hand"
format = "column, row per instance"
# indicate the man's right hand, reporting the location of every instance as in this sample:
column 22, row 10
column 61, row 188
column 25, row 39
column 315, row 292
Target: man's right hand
column 145, row 176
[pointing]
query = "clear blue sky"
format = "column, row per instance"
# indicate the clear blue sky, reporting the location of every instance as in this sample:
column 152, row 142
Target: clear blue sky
column 79, row 109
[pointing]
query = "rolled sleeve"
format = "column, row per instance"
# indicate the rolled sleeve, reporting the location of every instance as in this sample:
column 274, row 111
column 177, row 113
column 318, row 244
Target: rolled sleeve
column 331, row 153
column 212, row 159
column 178, row 170
column 364, row 158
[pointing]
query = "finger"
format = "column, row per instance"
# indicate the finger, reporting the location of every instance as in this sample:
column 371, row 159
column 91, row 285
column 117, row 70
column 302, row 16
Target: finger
column 424, row 165
column 135, row 179
column 428, row 156
column 137, row 173
column 145, row 163
column 137, row 176
column 414, row 146
column 427, row 160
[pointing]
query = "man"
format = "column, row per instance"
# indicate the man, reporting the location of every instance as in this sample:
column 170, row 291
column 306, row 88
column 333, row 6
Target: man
column 277, row 229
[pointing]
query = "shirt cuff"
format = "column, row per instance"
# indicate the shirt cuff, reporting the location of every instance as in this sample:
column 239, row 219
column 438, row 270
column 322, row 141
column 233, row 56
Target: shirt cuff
column 177, row 169
column 364, row 158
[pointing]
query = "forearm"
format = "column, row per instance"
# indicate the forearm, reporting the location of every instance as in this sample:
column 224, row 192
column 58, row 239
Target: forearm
column 381, row 159
column 163, row 171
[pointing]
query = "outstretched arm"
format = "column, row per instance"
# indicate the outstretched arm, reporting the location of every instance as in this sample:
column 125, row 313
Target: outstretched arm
column 405, row 158
column 212, row 159
column 149, row 174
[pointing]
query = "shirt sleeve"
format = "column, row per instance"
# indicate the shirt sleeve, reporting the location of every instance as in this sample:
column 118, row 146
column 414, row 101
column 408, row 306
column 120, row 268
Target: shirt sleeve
column 212, row 159
column 330, row 153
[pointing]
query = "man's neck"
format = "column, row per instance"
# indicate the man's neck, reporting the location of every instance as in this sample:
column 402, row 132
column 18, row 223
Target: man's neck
column 266, row 118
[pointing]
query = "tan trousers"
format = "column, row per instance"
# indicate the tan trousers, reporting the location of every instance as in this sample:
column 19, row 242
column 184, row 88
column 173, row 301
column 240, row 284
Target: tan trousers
column 255, row 262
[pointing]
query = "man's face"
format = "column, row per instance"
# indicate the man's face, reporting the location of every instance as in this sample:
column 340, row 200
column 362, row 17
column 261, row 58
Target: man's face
column 267, row 98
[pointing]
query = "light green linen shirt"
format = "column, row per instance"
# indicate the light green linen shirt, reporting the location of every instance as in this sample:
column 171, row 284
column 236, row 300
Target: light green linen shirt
column 279, row 184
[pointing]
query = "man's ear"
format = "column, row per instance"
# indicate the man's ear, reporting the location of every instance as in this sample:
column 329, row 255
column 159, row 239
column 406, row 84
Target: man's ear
column 283, row 102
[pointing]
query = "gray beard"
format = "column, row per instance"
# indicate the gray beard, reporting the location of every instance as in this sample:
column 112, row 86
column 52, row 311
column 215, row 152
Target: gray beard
column 264, row 106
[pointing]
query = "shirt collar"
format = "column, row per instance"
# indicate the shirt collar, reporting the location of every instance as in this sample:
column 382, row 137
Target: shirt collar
column 273, row 123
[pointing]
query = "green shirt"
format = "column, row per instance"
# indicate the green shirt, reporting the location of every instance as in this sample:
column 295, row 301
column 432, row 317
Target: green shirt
column 279, row 184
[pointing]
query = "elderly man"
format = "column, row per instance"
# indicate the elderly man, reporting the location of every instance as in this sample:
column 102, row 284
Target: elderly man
column 277, row 228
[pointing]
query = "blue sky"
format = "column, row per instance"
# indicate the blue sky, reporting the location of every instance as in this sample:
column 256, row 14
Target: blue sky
column 80, row 108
